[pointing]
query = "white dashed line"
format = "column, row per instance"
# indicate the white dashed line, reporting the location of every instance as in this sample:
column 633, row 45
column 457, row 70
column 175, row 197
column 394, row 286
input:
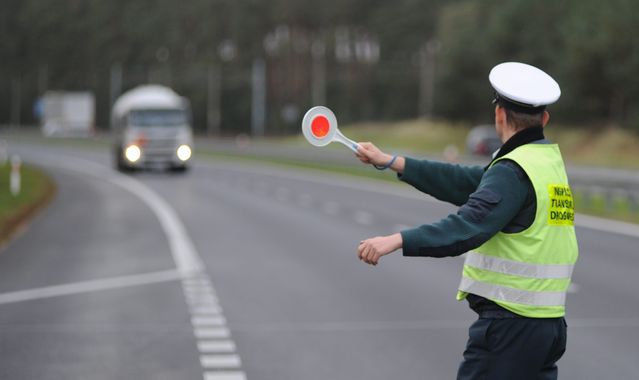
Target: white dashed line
column 198, row 290
column 224, row 375
column 206, row 309
column 223, row 361
column 217, row 320
column 216, row 346
column 217, row 349
column 212, row 333
column 89, row 286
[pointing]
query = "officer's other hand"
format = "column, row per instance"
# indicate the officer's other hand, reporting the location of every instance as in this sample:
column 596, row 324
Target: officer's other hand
column 371, row 250
column 368, row 153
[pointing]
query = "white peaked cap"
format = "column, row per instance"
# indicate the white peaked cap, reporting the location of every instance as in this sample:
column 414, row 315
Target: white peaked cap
column 523, row 84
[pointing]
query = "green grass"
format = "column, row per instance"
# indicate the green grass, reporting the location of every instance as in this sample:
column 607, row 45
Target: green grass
column 36, row 189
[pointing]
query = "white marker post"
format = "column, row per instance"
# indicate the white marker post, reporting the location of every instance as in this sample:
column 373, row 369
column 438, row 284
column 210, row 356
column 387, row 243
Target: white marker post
column 14, row 176
column 319, row 127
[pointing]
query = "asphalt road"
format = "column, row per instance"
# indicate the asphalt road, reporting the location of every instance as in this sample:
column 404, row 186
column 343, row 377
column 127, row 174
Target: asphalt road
column 279, row 247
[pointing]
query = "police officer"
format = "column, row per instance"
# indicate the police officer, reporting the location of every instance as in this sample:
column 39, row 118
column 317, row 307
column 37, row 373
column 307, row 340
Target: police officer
column 515, row 221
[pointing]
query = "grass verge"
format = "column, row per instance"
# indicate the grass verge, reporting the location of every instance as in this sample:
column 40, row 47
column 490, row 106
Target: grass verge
column 37, row 189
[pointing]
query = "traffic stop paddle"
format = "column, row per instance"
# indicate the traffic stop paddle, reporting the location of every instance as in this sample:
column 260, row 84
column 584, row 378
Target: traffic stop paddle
column 319, row 127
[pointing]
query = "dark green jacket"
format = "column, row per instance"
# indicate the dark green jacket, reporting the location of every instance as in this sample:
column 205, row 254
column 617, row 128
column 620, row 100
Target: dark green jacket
column 499, row 198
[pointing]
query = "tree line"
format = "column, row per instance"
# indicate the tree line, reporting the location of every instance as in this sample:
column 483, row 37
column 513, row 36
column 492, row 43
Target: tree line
column 369, row 60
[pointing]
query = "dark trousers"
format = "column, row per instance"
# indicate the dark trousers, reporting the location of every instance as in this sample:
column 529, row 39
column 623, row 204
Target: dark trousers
column 513, row 348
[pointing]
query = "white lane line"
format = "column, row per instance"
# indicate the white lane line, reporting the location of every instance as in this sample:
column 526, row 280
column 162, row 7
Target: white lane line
column 186, row 258
column 198, row 288
column 226, row 375
column 202, row 302
column 212, row 333
column 206, row 310
column 216, row 346
column 222, row 361
column 212, row 321
column 196, row 281
column 363, row 218
column 89, row 286
column 189, row 264
column 199, row 297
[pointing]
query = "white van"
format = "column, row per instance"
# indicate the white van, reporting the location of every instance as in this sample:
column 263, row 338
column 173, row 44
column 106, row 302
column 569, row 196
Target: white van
column 152, row 128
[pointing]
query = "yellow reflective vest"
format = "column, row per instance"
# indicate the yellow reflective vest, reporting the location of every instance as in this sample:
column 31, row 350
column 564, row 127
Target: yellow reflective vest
column 529, row 272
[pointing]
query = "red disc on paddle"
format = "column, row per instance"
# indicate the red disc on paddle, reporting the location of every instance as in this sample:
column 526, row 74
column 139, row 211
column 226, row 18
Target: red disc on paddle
column 320, row 126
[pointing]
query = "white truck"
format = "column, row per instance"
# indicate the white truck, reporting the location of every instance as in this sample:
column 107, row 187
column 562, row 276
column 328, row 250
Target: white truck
column 152, row 128
column 68, row 114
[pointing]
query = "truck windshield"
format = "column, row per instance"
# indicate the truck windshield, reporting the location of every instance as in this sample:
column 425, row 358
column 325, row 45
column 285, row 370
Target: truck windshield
column 157, row 118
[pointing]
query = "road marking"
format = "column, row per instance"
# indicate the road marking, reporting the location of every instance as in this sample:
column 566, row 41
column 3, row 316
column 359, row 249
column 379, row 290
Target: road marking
column 200, row 298
column 212, row 333
column 205, row 302
column 207, row 309
column 216, row 346
column 201, row 321
column 222, row 361
column 235, row 375
column 89, row 286
column 197, row 288
column 363, row 218
column 196, row 281
column 375, row 186
column 185, row 256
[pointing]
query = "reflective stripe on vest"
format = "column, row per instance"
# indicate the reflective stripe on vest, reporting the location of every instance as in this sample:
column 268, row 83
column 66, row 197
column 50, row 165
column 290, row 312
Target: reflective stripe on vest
column 515, row 268
column 503, row 293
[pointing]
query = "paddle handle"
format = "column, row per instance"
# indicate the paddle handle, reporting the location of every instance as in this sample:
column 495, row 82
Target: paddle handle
column 350, row 144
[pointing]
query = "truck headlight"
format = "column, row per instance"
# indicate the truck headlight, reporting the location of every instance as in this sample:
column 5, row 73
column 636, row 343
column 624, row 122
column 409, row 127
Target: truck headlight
column 184, row 152
column 132, row 153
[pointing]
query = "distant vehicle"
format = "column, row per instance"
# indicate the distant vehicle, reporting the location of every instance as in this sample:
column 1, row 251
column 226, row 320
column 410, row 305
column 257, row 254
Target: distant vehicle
column 68, row 114
column 152, row 127
column 482, row 140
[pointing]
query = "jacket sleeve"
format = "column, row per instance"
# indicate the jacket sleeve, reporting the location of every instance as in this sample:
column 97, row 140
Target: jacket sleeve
column 500, row 196
column 446, row 182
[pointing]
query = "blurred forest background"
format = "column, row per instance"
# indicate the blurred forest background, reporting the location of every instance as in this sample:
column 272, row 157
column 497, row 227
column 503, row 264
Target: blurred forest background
column 368, row 60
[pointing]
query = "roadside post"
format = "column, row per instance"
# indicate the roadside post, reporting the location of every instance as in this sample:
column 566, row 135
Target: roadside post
column 14, row 176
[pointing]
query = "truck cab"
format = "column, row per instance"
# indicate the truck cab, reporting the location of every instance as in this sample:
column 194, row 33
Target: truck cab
column 152, row 128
